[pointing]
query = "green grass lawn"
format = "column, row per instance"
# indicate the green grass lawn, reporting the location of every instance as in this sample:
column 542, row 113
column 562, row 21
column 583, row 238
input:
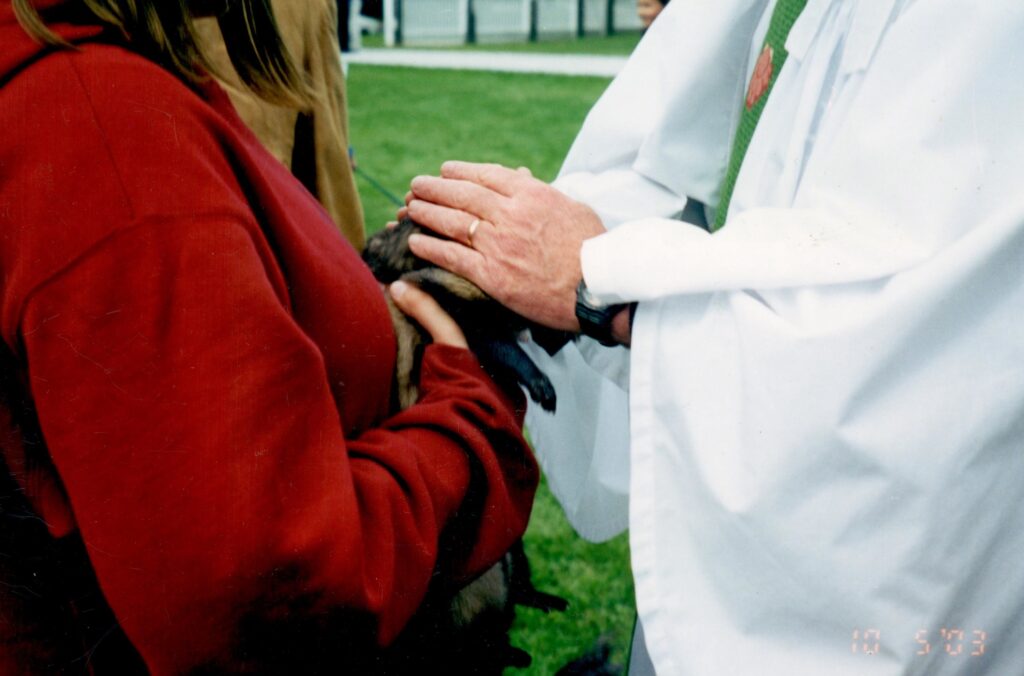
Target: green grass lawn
column 621, row 44
column 597, row 581
column 405, row 122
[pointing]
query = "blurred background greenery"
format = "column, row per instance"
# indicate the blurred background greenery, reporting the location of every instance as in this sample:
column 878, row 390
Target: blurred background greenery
column 406, row 122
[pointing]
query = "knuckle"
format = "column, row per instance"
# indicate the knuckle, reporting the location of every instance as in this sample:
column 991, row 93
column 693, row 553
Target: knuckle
column 491, row 172
column 450, row 259
column 461, row 194
column 505, row 211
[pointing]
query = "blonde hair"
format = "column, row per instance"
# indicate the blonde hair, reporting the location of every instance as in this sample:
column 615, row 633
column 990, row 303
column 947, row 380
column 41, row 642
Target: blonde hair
column 162, row 30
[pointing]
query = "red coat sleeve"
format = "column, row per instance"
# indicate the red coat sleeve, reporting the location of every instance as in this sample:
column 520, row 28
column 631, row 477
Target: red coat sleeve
column 192, row 424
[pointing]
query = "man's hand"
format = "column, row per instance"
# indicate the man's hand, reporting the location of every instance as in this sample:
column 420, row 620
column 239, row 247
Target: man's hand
column 524, row 251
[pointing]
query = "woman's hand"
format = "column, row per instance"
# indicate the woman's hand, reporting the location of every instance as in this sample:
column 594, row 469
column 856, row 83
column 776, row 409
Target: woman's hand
column 515, row 237
column 422, row 308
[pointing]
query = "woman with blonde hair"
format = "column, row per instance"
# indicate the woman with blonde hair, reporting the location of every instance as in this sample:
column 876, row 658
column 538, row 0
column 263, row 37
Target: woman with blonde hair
column 198, row 467
column 312, row 143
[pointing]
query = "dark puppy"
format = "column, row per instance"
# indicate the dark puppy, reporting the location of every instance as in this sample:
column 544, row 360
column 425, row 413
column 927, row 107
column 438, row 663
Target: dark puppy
column 492, row 330
column 465, row 630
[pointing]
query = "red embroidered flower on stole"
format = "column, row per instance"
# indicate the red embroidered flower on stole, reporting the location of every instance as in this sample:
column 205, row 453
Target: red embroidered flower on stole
column 761, row 78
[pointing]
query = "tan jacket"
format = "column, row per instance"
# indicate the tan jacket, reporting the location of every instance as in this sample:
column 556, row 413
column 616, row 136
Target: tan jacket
column 315, row 145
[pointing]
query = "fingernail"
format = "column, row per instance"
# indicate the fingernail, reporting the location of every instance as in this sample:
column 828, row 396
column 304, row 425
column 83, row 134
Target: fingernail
column 398, row 289
column 415, row 239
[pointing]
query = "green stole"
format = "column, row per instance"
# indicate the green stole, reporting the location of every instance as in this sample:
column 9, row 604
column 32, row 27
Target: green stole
column 769, row 63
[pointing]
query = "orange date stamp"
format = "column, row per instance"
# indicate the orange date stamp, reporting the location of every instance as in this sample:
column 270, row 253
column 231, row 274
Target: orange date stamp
column 952, row 641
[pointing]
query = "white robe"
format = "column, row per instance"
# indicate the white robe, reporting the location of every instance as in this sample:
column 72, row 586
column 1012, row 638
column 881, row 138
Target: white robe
column 822, row 444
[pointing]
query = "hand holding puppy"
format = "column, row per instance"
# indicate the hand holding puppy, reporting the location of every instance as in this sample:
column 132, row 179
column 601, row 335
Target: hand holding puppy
column 421, row 307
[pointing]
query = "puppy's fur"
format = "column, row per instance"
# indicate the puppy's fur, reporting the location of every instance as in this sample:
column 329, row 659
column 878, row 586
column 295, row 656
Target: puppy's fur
column 492, row 330
column 464, row 631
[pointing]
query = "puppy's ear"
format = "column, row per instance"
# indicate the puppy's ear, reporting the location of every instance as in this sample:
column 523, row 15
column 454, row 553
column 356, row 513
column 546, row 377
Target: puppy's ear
column 387, row 252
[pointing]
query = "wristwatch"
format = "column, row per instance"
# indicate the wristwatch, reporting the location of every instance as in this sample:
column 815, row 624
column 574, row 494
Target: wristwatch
column 594, row 316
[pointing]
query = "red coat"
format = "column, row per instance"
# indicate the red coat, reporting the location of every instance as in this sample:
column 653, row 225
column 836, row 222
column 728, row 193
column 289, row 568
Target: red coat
column 195, row 383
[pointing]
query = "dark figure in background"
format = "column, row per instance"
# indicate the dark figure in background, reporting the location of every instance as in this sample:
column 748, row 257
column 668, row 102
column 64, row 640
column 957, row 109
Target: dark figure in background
column 343, row 24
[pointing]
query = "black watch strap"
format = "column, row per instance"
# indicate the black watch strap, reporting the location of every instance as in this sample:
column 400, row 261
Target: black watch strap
column 595, row 318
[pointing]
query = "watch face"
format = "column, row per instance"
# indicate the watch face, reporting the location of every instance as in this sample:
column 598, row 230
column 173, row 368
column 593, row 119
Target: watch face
column 595, row 317
column 589, row 298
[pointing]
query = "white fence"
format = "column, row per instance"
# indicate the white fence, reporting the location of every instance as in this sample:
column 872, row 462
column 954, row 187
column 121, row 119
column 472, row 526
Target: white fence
column 502, row 20
column 595, row 16
column 624, row 16
column 437, row 22
column 557, row 17
column 434, row 21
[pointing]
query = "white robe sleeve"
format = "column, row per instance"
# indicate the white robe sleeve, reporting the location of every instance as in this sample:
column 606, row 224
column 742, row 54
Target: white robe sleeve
column 622, row 165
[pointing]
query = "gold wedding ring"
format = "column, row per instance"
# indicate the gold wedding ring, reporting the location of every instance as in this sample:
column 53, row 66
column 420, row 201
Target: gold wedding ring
column 472, row 229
